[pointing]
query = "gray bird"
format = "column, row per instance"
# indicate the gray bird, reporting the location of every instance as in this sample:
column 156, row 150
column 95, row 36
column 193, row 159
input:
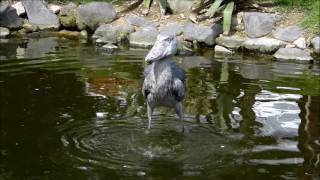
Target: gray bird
column 164, row 80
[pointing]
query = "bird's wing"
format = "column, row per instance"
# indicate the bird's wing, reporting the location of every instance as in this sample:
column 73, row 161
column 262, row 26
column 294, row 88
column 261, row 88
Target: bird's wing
column 178, row 72
column 178, row 89
column 145, row 89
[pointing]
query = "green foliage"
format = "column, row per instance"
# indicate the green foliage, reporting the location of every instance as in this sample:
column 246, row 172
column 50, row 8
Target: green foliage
column 214, row 8
column 147, row 3
column 313, row 19
column 311, row 8
column 227, row 17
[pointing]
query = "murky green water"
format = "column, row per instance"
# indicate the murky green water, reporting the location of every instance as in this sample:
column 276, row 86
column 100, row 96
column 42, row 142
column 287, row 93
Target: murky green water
column 70, row 112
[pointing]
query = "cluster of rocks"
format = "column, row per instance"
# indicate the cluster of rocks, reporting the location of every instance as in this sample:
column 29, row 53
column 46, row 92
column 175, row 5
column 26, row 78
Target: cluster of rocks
column 109, row 31
column 286, row 43
column 33, row 15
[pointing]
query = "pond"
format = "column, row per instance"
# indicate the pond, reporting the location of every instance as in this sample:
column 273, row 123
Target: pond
column 69, row 111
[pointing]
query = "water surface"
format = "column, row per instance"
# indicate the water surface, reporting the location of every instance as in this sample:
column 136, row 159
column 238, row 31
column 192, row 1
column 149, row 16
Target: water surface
column 69, row 111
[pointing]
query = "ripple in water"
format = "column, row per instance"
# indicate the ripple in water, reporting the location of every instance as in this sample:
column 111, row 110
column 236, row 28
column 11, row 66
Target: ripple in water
column 127, row 146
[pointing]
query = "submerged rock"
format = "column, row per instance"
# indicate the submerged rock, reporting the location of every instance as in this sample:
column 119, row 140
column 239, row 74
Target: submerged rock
column 259, row 24
column 293, row 54
column 93, row 14
column 289, row 33
column 109, row 48
column 4, row 32
column 202, row 34
column 316, row 44
column 40, row 16
column 9, row 18
column 232, row 42
column 263, row 45
column 19, row 8
column 145, row 37
column 67, row 15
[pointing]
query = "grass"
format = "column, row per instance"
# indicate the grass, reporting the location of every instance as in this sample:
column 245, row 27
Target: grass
column 311, row 9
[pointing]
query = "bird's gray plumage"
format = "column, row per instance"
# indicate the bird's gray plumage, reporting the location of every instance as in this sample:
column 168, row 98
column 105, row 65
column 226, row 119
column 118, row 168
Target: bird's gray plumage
column 164, row 80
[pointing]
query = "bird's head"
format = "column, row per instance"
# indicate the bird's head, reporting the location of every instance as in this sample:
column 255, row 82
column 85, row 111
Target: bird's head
column 165, row 46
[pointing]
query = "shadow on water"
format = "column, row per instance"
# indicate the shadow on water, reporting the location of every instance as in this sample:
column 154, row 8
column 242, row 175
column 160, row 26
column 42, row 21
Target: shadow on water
column 68, row 111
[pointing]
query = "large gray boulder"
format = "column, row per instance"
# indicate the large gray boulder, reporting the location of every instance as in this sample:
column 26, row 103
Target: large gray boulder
column 144, row 38
column 263, row 45
column 113, row 33
column 179, row 6
column 174, row 29
column 138, row 21
column 9, row 18
column 4, row 32
column 293, row 54
column 289, row 34
column 40, row 16
column 316, row 44
column 67, row 15
column 259, row 24
column 94, row 14
column 202, row 34
column 232, row 42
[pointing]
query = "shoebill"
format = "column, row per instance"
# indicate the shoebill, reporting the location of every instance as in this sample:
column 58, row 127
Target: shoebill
column 164, row 80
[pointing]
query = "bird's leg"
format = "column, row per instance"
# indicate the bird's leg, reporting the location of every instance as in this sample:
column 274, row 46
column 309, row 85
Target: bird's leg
column 178, row 108
column 150, row 111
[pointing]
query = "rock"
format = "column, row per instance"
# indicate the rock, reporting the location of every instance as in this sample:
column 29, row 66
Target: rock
column 40, row 16
column 316, row 44
column 110, row 48
column 68, row 34
column 293, row 54
column 174, row 29
column 263, row 45
column 4, row 32
column 290, row 46
column 114, row 33
column 138, row 21
column 29, row 27
column 179, row 6
column 237, row 21
column 9, row 18
column 288, row 34
column 54, row 8
column 94, row 14
column 84, row 34
column 222, row 50
column 19, row 8
column 67, row 15
column 259, row 24
column 231, row 42
column 145, row 38
column 202, row 34
column 300, row 43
